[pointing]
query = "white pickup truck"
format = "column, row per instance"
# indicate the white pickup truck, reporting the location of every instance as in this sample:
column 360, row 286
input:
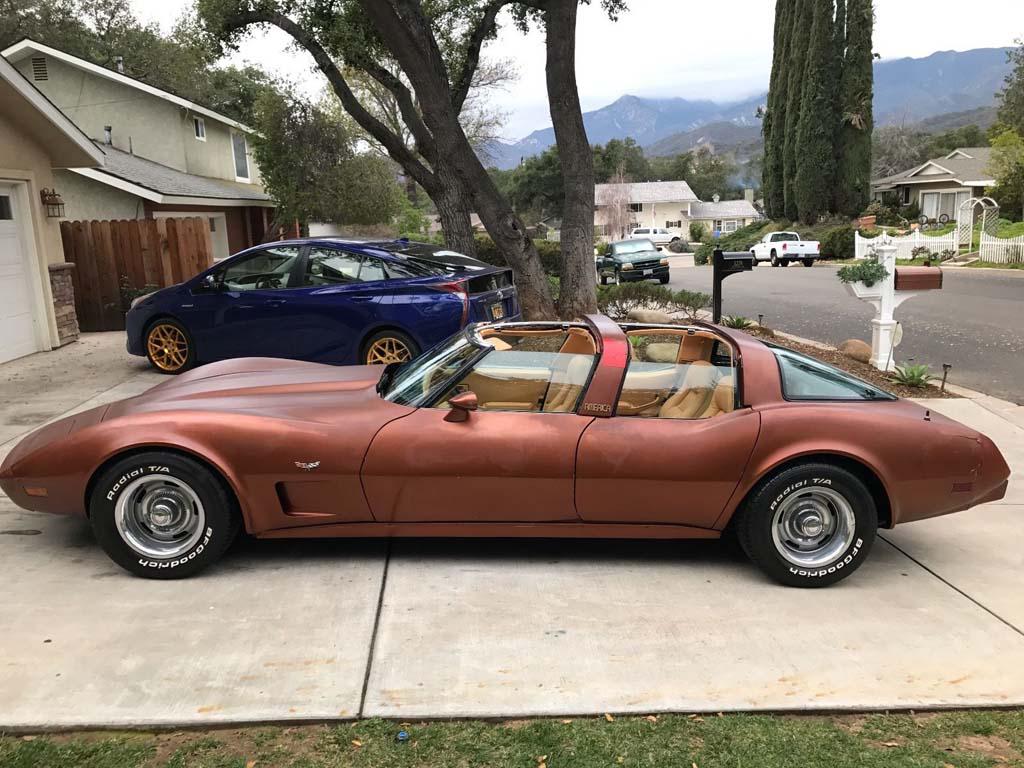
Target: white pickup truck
column 780, row 248
column 660, row 237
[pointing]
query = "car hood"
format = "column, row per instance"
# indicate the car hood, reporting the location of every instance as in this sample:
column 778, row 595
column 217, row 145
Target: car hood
column 264, row 386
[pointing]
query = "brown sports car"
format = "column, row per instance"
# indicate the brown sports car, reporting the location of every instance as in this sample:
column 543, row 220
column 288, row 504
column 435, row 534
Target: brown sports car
column 520, row 429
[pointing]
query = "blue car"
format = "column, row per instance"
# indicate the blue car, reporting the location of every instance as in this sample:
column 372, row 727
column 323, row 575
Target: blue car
column 322, row 300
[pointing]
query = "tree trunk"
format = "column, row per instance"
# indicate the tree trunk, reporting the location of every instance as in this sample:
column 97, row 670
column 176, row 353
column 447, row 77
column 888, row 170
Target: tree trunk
column 453, row 209
column 578, row 288
column 405, row 31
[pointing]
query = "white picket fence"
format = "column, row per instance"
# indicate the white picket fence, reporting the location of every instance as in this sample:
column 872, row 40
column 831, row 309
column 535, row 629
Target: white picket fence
column 1001, row 251
column 863, row 246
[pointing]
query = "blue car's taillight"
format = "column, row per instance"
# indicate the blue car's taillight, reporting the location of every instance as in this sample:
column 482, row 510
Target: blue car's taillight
column 458, row 287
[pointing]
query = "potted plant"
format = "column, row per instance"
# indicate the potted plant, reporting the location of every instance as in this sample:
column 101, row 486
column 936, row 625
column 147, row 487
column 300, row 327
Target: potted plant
column 864, row 279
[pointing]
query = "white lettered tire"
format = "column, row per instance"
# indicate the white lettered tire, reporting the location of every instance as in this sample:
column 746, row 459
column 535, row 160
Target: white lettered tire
column 162, row 515
column 810, row 525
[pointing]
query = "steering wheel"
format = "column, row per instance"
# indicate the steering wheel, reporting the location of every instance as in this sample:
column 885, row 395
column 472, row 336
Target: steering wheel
column 264, row 282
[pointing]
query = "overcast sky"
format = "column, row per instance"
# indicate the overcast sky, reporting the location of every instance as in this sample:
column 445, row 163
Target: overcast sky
column 717, row 50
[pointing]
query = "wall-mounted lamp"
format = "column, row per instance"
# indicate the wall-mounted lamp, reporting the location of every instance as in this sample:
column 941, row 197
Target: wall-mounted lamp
column 53, row 203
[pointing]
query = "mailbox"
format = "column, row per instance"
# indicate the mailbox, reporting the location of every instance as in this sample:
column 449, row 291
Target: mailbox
column 724, row 264
column 918, row 278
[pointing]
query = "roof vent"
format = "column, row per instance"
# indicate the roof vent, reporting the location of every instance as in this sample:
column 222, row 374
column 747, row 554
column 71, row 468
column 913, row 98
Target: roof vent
column 39, row 68
column 119, row 64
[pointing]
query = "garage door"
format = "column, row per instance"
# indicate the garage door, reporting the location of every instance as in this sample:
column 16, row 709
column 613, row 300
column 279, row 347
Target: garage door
column 17, row 330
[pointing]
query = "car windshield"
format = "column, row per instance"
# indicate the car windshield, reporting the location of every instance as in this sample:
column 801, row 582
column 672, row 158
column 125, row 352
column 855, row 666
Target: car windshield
column 417, row 378
column 804, row 378
column 632, row 246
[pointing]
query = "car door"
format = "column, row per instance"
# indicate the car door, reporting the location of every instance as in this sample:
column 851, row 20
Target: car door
column 511, row 460
column 336, row 300
column 677, row 446
column 245, row 313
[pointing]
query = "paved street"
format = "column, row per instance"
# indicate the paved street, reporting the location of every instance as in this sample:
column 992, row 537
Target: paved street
column 321, row 630
column 974, row 323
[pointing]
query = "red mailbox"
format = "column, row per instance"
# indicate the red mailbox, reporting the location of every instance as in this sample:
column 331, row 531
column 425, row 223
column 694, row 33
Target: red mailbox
column 918, row 278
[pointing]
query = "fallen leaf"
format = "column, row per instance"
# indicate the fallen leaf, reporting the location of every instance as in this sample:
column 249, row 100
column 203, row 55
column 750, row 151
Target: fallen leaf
column 890, row 743
column 28, row 738
column 652, row 718
column 566, row 722
column 542, row 758
column 693, row 765
column 250, row 764
column 948, row 765
column 620, row 760
column 356, row 743
column 608, row 717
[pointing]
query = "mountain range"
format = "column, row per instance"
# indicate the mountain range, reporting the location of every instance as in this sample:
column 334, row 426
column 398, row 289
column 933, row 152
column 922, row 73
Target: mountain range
column 922, row 91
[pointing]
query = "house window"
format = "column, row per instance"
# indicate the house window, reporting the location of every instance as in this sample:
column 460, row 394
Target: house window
column 673, row 225
column 716, row 225
column 731, row 225
column 213, row 224
column 39, row 69
column 240, row 149
column 905, row 195
column 6, row 214
column 199, row 127
column 636, row 207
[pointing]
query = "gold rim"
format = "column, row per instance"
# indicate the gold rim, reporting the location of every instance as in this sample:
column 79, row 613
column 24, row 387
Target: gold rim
column 388, row 350
column 167, row 346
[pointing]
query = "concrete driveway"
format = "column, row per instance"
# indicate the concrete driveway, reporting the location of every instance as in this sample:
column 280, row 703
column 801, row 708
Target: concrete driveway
column 323, row 630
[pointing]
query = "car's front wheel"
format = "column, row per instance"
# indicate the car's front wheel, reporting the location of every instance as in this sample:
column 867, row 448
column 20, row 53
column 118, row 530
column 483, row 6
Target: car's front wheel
column 162, row 515
column 810, row 525
column 169, row 347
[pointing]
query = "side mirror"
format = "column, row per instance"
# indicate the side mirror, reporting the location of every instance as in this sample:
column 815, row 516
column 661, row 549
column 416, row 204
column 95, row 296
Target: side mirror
column 211, row 282
column 461, row 405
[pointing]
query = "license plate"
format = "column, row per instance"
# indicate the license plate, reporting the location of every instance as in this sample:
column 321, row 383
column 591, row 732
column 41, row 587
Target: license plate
column 648, row 272
column 497, row 311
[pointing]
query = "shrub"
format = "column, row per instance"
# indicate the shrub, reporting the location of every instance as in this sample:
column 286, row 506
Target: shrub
column 868, row 272
column 885, row 215
column 737, row 321
column 550, row 254
column 678, row 246
column 916, row 376
column 838, row 243
column 702, row 256
column 922, row 252
column 697, row 231
column 618, row 301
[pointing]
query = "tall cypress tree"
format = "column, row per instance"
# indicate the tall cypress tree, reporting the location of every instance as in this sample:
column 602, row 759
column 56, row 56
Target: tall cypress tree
column 853, row 175
column 799, row 38
column 815, row 175
column 774, row 125
column 838, row 60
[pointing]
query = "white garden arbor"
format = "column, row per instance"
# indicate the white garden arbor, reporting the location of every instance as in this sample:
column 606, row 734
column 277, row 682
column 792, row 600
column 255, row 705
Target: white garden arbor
column 969, row 213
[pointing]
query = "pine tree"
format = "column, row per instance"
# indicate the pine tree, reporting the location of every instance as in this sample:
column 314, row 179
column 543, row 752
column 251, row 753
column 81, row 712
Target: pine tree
column 815, row 134
column 799, row 39
column 775, row 118
column 853, row 174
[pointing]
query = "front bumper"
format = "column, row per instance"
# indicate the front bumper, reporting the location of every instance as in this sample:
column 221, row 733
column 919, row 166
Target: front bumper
column 633, row 275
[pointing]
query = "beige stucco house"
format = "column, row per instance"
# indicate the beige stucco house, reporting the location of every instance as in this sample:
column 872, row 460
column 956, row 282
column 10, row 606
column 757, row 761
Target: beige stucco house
column 670, row 205
column 165, row 155
column 939, row 186
column 37, row 141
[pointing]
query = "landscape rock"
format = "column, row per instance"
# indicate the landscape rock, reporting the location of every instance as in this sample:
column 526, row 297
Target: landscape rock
column 855, row 349
column 662, row 352
column 651, row 316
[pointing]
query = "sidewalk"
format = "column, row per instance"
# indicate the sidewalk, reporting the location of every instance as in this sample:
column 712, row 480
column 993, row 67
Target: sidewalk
column 326, row 630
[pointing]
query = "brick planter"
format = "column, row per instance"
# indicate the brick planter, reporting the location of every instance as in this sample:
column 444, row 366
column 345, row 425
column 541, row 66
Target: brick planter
column 63, row 290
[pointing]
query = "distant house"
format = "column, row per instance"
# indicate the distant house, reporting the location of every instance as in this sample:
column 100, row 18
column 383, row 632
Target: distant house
column 165, row 155
column 620, row 208
column 939, row 186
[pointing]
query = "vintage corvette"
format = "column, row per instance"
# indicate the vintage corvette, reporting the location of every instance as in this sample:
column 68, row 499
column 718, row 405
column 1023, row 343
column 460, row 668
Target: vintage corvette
column 588, row 429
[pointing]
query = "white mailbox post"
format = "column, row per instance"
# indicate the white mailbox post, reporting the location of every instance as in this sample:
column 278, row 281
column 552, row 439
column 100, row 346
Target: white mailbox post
column 885, row 298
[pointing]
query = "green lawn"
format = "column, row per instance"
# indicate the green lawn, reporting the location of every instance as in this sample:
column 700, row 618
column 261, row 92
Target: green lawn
column 964, row 740
column 996, row 265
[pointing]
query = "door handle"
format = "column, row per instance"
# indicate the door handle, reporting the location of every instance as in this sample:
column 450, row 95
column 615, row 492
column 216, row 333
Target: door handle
column 362, row 299
column 275, row 302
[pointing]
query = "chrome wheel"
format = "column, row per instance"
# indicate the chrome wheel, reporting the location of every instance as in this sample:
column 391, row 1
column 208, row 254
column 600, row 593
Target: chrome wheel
column 159, row 517
column 812, row 528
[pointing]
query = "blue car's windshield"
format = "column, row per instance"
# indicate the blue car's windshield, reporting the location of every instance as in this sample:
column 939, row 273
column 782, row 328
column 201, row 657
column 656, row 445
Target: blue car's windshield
column 416, row 379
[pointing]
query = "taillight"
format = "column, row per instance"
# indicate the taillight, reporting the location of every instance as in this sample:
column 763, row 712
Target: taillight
column 458, row 287
column 785, row 246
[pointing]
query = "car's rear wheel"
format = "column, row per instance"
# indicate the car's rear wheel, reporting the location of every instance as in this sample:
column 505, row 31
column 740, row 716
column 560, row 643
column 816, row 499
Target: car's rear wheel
column 389, row 346
column 169, row 347
column 808, row 262
column 784, row 262
column 161, row 515
column 810, row 525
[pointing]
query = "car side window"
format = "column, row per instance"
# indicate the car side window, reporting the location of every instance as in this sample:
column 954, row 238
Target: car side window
column 537, row 372
column 330, row 266
column 266, row 269
column 372, row 269
column 676, row 375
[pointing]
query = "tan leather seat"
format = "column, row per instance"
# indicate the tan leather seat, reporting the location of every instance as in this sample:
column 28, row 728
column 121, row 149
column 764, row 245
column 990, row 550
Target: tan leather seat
column 694, row 395
column 723, row 400
column 578, row 342
column 563, row 395
column 693, row 348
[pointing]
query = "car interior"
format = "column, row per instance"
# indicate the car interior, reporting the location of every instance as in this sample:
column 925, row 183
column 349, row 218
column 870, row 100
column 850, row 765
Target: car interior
column 673, row 373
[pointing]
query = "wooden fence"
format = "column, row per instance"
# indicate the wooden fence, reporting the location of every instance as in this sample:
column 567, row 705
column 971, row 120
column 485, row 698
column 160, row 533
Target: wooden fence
column 115, row 260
